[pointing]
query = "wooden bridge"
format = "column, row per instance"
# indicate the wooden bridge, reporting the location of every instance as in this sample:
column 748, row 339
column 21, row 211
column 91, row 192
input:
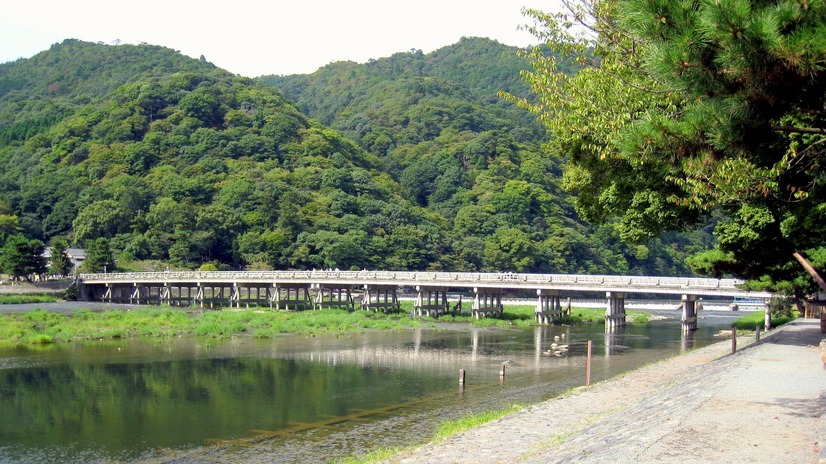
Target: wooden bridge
column 378, row 290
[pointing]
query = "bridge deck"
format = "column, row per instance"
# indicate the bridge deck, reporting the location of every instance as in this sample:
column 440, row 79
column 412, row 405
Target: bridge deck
column 507, row 281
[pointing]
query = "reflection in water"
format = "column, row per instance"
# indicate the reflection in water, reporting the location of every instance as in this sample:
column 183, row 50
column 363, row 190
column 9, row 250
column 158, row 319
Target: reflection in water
column 125, row 407
column 687, row 340
column 302, row 398
column 613, row 341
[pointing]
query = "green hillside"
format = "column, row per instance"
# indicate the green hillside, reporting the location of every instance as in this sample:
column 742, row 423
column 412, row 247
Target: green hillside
column 36, row 93
column 406, row 162
column 438, row 127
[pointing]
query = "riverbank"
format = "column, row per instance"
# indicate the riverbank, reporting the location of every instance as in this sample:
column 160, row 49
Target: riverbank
column 764, row 403
column 47, row 286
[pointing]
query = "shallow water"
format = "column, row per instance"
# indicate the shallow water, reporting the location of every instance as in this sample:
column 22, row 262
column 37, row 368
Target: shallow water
column 293, row 399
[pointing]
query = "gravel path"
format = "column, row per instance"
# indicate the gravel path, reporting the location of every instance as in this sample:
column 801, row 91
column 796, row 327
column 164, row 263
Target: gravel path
column 763, row 404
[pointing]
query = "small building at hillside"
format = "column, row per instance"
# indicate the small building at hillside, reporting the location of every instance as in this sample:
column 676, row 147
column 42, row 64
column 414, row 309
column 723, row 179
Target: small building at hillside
column 76, row 257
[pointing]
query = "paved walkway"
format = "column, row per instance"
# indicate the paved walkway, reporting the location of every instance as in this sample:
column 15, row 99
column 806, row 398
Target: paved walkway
column 764, row 404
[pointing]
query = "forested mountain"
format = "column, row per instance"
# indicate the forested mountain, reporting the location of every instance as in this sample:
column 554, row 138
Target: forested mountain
column 36, row 93
column 406, row 162
column 437, row 126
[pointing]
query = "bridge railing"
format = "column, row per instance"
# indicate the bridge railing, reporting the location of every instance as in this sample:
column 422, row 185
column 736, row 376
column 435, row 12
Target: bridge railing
column 414, row 277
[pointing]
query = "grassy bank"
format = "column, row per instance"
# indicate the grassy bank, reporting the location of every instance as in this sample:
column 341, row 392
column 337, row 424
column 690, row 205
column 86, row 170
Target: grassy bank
column 23, row 298
column 758, row 318
column 41, row 327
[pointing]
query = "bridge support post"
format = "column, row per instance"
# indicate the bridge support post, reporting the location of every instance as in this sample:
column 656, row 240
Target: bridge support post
column 295, row 295
column 431, row 301
column 107, row 295
column 199, row 296
column 380, row 298
column 116, row 293
column 135, row 298
column 549, row 306
column 334, row 296
column 615, row 311
column 689, row 318
column 234, row 296
column 486, row 300
column 165, row 294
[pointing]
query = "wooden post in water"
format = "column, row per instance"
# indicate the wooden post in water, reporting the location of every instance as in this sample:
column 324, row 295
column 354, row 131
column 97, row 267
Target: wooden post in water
column 462, row 376
column 588, row 365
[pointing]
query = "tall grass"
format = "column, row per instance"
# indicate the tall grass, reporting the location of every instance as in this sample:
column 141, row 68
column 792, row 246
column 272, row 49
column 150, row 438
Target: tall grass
column 758, row 318
column 23, row 298
column 41, row 327
column 38, row 326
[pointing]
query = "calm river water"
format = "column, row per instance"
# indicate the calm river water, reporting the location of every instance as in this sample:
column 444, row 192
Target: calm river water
column 294, row 399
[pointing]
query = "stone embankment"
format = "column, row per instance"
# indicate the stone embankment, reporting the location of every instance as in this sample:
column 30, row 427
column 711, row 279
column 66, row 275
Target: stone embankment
column 47, row 286
column 765, row 404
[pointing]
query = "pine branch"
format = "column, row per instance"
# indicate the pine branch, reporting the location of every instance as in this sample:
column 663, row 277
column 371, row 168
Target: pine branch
column 800, row 130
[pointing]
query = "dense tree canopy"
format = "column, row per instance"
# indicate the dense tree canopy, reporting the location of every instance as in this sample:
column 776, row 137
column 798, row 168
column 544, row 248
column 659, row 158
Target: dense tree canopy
column 406, row 162
column 436, row 124
column 22, row 257
column 690, row 109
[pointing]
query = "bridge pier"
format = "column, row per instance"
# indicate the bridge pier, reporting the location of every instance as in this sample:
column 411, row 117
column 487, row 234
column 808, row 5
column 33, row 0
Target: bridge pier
column 250, row 294
column 176, row 297
column 431, row 301
column 689, row 318
column 549, row 306
column 486, row 300
column 234, row 295
column 380, row 298
column 218, row 298
column 115, row 293
column 334, row 296
column 614, row 311
column 142, row 294
column 295, row 295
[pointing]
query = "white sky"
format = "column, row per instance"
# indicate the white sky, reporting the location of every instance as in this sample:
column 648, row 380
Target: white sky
column 254, row 38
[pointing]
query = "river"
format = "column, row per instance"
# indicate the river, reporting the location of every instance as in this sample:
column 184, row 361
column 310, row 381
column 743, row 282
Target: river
column 296, row 398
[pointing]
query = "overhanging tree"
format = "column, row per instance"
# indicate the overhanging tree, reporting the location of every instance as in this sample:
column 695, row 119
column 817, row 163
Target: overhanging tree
column 689, row 109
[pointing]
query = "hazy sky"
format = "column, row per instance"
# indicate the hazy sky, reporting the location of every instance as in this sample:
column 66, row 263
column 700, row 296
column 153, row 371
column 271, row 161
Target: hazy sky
column 254, row 38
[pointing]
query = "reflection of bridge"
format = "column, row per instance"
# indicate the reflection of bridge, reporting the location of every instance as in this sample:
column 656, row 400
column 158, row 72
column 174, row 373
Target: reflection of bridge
column 552, row 347
column 378, row 290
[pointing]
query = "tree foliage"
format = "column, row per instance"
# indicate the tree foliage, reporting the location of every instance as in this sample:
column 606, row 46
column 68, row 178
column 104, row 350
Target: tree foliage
column 59, row 262
column 437, row 126
column 687, row 110
column 22, row 257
